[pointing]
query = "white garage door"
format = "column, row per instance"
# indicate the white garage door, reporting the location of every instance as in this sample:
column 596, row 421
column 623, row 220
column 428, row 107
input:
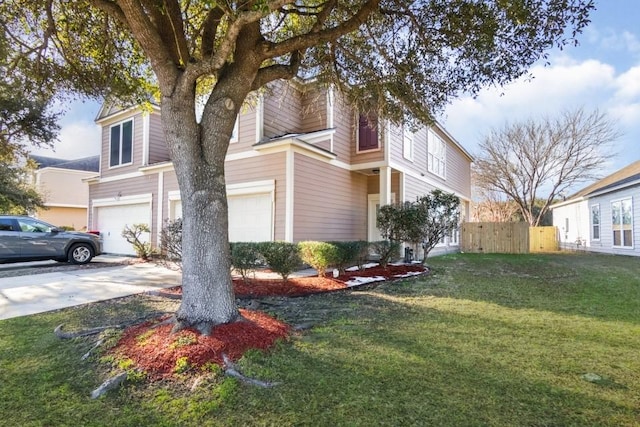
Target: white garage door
column 111, row 220
column 250, row 217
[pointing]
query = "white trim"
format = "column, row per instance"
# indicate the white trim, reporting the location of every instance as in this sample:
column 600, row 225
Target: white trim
column 385, row 185
column 145, row 138
column 38, row 172
column 374, row 199
column 386, row 140
column 379, row 130
column 159, row 207
column 317, row 136
column 613, row 245
column 158, row 167
column 289, row 194
column 117, row 177
column 260, row 118
column 284, row 144
column 63, row 205
column 173, row 195
column 133, row 134
column 330, row 112
column 612, row 189
column 252, row 187
column 407, row 148
column 599, row 224
column 122, row 114
column 235, row 133
column 123, row 200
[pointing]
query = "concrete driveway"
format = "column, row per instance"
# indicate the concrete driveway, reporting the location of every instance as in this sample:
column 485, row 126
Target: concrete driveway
column 37, row 293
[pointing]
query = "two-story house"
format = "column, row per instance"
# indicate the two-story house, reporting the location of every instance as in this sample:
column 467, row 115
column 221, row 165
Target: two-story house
column 301, row 165
column 65, row 194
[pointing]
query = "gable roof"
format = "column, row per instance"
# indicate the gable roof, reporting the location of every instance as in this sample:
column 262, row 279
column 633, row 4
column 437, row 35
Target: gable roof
column 89, row 164
column 628, row 174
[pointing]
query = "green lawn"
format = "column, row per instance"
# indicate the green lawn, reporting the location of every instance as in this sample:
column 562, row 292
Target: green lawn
column 484, row 340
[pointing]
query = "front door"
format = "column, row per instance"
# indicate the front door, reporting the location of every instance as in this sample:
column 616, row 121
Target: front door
column 373, row 234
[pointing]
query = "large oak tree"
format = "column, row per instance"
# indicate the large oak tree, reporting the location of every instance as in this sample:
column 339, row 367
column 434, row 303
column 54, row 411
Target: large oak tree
column 394, row 57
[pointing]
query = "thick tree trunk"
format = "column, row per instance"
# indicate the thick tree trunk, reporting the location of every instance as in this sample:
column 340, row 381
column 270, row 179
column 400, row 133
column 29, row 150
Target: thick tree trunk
column 198, row 156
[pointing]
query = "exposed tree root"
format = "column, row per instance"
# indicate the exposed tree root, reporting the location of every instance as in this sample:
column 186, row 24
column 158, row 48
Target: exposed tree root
column 109, row 384
column 93, row 331
column 88, row 353
column 231, row 369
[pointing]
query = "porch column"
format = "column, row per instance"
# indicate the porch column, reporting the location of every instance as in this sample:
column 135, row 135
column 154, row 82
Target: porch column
column 385, row 185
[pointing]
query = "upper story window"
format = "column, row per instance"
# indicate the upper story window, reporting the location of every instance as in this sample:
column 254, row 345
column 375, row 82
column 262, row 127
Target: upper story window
column 621, row 223
column 234, row 133
column 436, row 154
column 367, row 133
column 407, row 144
column 595, row 222
column 121, row 144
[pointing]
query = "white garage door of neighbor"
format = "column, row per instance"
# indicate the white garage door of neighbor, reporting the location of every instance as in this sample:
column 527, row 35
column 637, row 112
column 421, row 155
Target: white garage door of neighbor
column 250, row 217
column 111, row 220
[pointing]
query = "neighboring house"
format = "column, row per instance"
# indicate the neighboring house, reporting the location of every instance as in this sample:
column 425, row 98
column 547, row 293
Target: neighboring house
column 301, row 165
column 603, row 217
column 62, row 186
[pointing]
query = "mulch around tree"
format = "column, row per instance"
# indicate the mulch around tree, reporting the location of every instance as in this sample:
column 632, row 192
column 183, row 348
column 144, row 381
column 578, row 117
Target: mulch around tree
column 254, row 287
column 154, row 349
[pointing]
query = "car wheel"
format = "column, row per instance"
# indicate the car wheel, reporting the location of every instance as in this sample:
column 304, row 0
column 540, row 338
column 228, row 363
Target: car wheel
column 80, row 253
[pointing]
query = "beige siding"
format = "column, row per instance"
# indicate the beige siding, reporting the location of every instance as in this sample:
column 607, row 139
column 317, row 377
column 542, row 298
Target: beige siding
column 147, row 184
column 414, row 188
column 334, row 211
column 271, row 166
column 63, row 186
column 72, row 217
column 373, row 184
column 158, row 151
column 314, row 109
column 105, row 170
column 458, row 171
column 246, row 130
column 282, row 106
column 344, row 123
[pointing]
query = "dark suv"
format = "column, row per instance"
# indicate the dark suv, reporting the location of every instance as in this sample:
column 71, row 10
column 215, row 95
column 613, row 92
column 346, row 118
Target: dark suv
column 27, row 239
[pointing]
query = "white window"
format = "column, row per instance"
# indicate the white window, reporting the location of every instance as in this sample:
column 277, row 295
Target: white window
column 234, row 133
column 436, row 154
column 595, row 222
column 454, row 237
column 407, row 144
column 121, row 144
column 621, row 223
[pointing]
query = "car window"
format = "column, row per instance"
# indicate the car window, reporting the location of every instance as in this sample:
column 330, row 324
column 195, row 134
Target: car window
column 6, row 224
column 33, row 226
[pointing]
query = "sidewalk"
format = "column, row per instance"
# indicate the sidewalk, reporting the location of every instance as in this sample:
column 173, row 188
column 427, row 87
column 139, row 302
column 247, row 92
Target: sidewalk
column 24, row 295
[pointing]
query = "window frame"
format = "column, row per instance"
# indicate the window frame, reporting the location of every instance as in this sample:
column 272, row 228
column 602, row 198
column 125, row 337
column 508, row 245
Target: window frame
column 621, row 223
column 436, row 165
column 377, row 130
column 120, row 143
column 596, row 208
column 235, row 135
column 408, row 141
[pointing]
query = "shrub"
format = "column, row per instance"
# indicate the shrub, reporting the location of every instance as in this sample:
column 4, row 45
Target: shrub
column 132, row 234
column 245, row 257
column 319, row 255
column 386, row 249
column 282, row 257
column 171, row 243
column 350, row 253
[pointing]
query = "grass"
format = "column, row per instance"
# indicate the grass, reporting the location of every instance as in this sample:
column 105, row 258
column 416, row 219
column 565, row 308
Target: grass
column 485, row 340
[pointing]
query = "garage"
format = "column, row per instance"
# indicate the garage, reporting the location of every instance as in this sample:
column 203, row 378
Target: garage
column 111, row 220
column 250, row 217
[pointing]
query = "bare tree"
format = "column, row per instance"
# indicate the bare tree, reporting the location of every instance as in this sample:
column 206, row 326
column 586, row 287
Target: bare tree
column 551, row 155
column 493, row 206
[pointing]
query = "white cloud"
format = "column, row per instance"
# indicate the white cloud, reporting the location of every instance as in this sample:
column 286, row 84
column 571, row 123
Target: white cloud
column 76, row 140
column 628, row 84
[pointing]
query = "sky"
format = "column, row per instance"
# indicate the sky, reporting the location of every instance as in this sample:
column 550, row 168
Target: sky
column 602, row 73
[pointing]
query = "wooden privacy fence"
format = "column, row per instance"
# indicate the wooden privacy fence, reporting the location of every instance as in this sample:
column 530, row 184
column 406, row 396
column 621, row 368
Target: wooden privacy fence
column 507, row 237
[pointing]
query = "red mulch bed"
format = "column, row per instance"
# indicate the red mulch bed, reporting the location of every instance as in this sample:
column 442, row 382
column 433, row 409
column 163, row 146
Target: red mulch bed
column 299, row 286
column 156, row 350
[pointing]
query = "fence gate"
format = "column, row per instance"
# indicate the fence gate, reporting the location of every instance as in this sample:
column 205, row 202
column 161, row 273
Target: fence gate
column 507, row 237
